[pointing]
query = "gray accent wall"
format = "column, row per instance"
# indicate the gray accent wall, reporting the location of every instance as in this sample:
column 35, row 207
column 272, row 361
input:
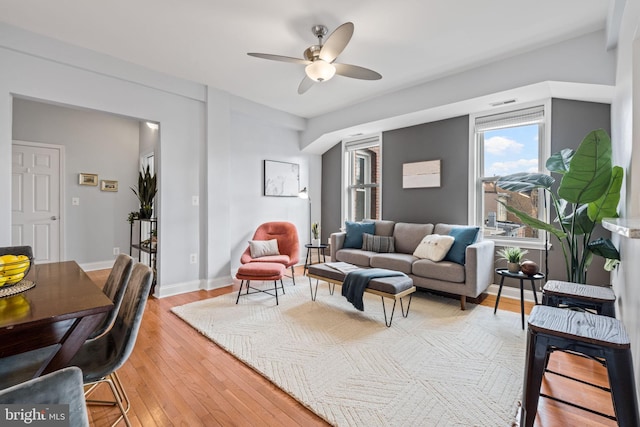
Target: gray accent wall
column 571, row 121
column 444, row 140
column 331, row 190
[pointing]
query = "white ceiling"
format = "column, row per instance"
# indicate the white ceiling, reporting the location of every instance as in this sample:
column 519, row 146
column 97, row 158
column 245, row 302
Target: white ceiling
column 206, row 41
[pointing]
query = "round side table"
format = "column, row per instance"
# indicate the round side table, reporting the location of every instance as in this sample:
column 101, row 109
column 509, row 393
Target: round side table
column 320, row 250
column 503, row 272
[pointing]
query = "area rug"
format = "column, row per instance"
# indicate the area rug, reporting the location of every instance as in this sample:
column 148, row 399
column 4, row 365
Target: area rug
column 440, row 366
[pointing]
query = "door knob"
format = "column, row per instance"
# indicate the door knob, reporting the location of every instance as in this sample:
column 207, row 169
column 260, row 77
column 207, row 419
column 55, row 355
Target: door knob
column 53, row 218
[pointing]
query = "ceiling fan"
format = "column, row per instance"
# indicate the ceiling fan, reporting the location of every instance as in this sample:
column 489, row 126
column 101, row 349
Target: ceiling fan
column 319, row 58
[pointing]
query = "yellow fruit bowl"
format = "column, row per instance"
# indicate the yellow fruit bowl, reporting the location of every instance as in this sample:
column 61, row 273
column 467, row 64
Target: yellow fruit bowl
column 14, row 268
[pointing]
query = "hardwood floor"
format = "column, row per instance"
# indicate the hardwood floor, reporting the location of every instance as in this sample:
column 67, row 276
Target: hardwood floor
column 177, row 377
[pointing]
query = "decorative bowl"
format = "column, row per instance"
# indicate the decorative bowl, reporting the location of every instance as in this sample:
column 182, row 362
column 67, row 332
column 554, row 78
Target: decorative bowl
column 14, row 268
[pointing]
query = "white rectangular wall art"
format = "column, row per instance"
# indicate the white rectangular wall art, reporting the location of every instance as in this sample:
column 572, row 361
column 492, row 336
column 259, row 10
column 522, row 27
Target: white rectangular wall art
column 421, row 174
column 281, row 179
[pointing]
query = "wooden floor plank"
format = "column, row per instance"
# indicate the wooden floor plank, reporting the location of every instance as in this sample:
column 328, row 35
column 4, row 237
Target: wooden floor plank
column 177, row 377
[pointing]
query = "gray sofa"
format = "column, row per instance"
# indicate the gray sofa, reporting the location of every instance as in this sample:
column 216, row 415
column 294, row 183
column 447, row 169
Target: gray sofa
column 468, row 280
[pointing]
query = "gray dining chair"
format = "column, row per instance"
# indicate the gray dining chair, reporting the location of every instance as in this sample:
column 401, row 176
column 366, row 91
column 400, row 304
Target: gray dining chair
column 114, row 288
column 101, row 357
column 59, row 387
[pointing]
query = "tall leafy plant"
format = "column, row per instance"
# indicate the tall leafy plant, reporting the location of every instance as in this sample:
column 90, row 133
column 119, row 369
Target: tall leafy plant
column 588, row 192
column 146, row 192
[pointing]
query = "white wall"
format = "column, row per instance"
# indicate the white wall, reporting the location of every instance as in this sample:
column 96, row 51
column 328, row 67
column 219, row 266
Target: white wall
column 252, row 143
column 104, row 144
column 210, row 144
column 241, row 134
column 183, row 130
column 182, row 135
column 625, row 136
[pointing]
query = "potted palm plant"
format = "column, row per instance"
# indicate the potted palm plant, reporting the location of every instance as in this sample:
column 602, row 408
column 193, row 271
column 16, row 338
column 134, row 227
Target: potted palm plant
column 146, row 192
column 513, row 255
column 589, row 191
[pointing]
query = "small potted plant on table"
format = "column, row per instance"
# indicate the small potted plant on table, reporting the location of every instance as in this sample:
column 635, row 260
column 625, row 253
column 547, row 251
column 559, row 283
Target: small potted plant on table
column 513, row 255
column 315, row 231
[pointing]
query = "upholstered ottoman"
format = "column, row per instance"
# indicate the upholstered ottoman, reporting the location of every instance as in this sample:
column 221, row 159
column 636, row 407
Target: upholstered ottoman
column 394, row 288
column 262, row 271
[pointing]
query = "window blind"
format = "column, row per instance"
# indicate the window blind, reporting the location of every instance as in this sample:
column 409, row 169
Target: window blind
column 526, row 116
column 362, row 143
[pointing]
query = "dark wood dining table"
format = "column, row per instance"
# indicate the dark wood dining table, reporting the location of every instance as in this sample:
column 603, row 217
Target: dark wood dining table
column 63, row 308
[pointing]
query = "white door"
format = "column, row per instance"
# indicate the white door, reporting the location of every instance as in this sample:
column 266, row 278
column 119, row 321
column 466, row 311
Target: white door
column 35, row 199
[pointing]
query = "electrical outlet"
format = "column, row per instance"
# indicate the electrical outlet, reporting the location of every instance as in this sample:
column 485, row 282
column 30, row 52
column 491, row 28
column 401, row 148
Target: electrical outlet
column 193, row 258
column 116, row 251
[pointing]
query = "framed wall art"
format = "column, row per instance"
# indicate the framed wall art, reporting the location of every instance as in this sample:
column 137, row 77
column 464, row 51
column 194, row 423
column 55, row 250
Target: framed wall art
column 108, row 185
column 421, row 174
column 88, row 179
column 281, row 179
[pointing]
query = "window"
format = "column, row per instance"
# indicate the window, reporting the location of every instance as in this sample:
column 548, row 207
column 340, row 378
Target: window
column 363, row 163
column 506, row 143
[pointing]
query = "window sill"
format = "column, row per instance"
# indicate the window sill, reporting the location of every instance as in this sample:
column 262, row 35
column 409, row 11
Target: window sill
column 524, row 244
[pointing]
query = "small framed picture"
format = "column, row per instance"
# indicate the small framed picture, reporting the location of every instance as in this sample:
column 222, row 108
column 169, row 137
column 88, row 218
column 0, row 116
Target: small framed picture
column 281, row 179
column 88, row 179
column 108, row 185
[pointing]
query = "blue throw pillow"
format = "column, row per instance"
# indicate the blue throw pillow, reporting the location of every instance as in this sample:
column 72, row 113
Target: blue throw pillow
column 464, row 237
column 355, row 230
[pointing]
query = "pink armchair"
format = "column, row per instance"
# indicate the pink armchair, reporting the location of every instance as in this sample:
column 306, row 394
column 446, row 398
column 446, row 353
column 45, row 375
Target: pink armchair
column 288, row 244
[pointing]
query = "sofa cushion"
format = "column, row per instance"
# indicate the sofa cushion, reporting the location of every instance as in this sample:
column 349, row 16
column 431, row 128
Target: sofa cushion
column 396, row 262
column 391, row 285
column 377, row 243
column 443, row 229
column 408, row 236
column 464, row 237
column 355, row 230
column 434, row 247
column 444, row 270
column 262, row 248
column 355, row 256
column 383, row 227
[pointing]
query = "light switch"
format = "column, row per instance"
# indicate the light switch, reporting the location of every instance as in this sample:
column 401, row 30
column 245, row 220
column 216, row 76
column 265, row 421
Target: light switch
column 195, row 200
column 75, row 201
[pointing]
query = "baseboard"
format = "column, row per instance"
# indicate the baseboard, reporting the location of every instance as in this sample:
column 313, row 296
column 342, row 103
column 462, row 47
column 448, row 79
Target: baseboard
column 192, row 286
column 510, row 292
column 217, row 283
column 177, row 288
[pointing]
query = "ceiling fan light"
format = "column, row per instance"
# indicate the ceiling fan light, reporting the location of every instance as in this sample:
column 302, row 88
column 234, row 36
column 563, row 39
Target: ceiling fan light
column 320, row 70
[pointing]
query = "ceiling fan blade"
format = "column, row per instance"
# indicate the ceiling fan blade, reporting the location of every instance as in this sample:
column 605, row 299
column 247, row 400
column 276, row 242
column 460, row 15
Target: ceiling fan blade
column 280, row 58
column 356, row 72
column 305, row 85
column 336, row 42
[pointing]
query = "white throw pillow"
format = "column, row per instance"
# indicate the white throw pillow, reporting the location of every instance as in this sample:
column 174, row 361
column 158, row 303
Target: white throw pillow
column 434, row 247
column 260, row 248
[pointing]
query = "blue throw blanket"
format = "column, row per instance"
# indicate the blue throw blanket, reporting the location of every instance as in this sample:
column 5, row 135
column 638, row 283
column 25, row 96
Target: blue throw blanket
column 355, row 283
